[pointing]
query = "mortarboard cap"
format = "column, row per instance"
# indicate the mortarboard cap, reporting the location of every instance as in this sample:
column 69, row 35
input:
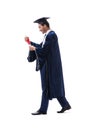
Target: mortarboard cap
column 40, row 20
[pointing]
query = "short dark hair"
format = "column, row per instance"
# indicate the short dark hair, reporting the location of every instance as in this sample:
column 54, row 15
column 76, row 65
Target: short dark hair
column 45, row 23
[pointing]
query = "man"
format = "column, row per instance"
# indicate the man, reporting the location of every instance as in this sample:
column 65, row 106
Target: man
column 48, row 61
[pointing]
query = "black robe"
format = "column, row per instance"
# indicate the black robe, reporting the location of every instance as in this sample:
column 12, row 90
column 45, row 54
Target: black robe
column 48, row 60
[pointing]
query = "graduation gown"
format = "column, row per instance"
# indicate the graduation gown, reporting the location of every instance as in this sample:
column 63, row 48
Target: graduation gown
column 48, row 61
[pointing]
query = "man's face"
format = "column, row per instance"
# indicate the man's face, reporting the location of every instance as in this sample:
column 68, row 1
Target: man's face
column 42, row 28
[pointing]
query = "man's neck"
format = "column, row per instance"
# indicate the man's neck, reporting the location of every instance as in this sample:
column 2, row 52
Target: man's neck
column 47, row 30
column 46, row 33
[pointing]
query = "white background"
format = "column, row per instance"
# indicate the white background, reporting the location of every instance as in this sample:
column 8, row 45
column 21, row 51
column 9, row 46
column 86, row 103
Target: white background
column 20, row 85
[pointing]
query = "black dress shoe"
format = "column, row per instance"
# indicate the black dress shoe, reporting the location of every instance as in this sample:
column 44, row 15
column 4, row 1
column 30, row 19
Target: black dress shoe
column 39, row 113
column 64, row 109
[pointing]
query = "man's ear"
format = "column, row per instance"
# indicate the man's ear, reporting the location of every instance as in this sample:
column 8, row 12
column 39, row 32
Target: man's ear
column 45, row 25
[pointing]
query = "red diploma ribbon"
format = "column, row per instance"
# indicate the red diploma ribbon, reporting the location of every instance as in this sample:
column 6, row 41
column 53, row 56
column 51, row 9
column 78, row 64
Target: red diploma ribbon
column 27, row 40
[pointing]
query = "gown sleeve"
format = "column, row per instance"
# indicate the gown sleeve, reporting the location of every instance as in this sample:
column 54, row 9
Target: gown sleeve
column 42, row 53
column 32, row 55
column 36, row 45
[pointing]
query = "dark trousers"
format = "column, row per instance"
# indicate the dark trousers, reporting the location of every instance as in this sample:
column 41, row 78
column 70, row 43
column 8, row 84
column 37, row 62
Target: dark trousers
column 45, row 101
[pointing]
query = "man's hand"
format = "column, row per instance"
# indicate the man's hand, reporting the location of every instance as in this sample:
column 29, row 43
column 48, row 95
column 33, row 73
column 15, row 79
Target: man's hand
column 27, row 40
column 31, row 48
